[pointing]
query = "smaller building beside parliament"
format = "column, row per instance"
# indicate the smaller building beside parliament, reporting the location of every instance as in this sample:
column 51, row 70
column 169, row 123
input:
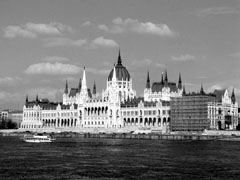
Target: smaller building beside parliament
column 165, row 105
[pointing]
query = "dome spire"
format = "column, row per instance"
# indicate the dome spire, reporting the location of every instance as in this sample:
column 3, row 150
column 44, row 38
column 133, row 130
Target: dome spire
column 114, row 78
column 119, row 58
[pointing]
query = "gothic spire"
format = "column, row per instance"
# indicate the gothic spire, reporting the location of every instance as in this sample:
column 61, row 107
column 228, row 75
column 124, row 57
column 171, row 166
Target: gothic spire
column 233, row 98
column 37, row 100
column 184, row 90
column 148, row 81
column 180, row 82
column 166, row 79
column 26, row 101
column 201, row 90
column 162, row 78
column 79, row 85
column 66, row 88
column 84, row 81
column 94, row 89
column 119, row 58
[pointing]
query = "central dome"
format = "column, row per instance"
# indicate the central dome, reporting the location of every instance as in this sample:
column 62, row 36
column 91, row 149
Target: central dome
column 121, row 71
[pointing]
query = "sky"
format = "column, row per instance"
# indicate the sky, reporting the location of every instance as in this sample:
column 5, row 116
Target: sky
column 43, row 43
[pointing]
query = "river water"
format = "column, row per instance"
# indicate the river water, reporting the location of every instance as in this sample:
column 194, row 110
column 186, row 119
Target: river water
column 81, row 158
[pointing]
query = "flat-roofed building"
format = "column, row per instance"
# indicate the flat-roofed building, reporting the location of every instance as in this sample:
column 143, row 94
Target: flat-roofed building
column 190, row 112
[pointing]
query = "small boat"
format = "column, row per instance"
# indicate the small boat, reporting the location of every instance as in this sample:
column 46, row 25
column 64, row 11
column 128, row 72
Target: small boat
column 38, row 138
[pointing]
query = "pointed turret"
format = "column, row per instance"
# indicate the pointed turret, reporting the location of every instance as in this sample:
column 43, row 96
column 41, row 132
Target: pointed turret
column 66, row 88
column 148, row 81
column 94, row 92
column 180, row 82
column 119, row 58
column 184, row 90
column 162, row 82
column 201, row 90
column 80, row 85
column 166, row 79
column 84, row 81
column 233, row 98
column 26, row 101
column 37, row 100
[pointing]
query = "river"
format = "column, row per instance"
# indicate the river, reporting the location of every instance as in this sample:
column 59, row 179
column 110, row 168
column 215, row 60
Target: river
column 80, row 158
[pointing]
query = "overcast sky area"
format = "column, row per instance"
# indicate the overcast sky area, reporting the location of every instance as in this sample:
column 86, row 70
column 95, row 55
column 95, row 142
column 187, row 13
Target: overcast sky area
column 43, row 43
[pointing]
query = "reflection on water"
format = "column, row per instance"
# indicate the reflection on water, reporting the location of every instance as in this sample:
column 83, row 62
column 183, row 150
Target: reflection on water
column 119, row 159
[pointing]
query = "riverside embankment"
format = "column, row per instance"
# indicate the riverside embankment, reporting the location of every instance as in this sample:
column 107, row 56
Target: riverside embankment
column 150, row 136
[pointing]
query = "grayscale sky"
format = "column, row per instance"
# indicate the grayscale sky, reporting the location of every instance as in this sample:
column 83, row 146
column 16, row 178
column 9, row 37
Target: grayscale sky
column 43, row 43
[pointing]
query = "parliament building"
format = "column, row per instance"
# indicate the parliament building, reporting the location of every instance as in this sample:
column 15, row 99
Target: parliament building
column 116, row 108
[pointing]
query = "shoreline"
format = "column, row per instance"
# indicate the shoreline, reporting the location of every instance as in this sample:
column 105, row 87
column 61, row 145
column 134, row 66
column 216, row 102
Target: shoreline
column 149, row 136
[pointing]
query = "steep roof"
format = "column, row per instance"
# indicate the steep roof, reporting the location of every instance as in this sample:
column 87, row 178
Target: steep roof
column 158, row 86
column 73, row 92
column 219, row 93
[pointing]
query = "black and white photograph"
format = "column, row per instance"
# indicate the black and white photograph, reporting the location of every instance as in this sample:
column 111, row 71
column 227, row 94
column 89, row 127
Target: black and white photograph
column 119, row 89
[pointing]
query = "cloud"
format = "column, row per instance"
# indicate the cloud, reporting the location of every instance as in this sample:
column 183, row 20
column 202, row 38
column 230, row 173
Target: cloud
column 6, row 80
column 133, row 25
column 103, row 42
column 216, row 11
column 52, row 68
column 87, row 23
column 53, row 42
column 183, row 58
column 16, row 31
column 31, row 30
column 98, row 71
column 9, row 80
column 46, row 92
column 160, row 65
column 215, row 87
column 55, row 59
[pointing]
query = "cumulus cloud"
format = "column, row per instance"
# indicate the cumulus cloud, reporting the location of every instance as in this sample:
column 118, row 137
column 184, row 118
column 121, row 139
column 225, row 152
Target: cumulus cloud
column 133, row 25
column 52, row 68
column 31, row 30
column 52, row 42
column 55, row 59
column 103, row 42
column 216, row 11
column 185, row 57
column 16, row 31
